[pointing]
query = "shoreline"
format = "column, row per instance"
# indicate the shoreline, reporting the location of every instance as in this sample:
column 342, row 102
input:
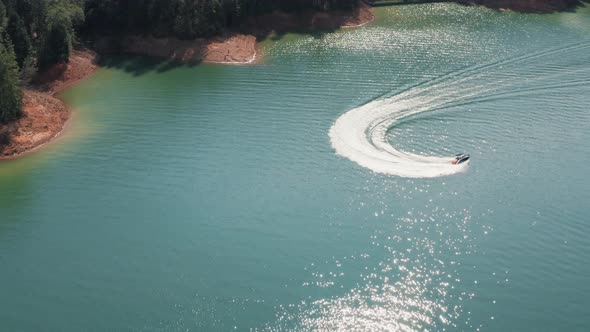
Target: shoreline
column 522, row 6
column 231, row 48
column 41, row 145
column 45, row 116
column 238, row 46
column 278, row 22
column 527, row 7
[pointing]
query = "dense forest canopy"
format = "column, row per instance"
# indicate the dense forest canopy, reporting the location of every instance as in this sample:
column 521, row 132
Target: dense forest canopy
column 188, row 18
column 10, row 94
column 37, row 34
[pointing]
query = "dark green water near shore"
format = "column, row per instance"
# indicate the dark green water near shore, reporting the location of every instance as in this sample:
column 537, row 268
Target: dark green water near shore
column 209, row 198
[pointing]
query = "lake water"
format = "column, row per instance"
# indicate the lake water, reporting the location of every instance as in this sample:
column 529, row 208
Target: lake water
column 214, row 198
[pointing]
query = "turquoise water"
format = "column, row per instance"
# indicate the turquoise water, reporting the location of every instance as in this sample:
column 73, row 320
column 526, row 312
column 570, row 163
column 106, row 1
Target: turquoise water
column 211, row 198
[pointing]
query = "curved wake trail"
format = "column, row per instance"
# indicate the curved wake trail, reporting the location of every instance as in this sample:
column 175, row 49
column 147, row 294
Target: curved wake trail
column 361, row 133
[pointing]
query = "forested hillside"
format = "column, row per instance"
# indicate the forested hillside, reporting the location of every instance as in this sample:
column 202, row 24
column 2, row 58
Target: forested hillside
column 34, row 35
column 188, row 18
column 37, row 34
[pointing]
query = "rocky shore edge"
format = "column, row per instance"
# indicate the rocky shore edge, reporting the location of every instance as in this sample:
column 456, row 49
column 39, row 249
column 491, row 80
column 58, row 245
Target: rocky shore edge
column 44, row 115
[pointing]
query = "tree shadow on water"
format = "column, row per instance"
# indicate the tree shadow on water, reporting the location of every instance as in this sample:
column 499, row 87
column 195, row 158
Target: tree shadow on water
column 581, row 3
column 276, row 25
column 278, row 35
column 142, row 65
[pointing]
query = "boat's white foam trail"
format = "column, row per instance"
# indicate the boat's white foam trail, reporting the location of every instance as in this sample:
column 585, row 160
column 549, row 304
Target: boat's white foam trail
column 360, row 135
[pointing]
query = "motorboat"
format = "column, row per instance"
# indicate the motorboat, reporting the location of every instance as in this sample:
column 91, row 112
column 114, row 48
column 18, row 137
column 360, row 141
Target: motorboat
column 460, row 158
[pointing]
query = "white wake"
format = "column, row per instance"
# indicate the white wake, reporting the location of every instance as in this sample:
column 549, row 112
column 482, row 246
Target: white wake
column 361, row 133
column 361, row 136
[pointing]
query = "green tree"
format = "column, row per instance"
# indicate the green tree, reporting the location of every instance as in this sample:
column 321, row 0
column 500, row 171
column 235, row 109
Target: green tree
column 3, row 19
column 20, row 39
column 62, row 17
column 10, row 93
column 57, row 46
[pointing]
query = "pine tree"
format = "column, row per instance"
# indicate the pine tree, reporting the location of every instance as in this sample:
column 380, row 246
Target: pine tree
column 3, row 19
column 20, row 38
column 57, row 47
column 10, row 93
column 61, row 19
